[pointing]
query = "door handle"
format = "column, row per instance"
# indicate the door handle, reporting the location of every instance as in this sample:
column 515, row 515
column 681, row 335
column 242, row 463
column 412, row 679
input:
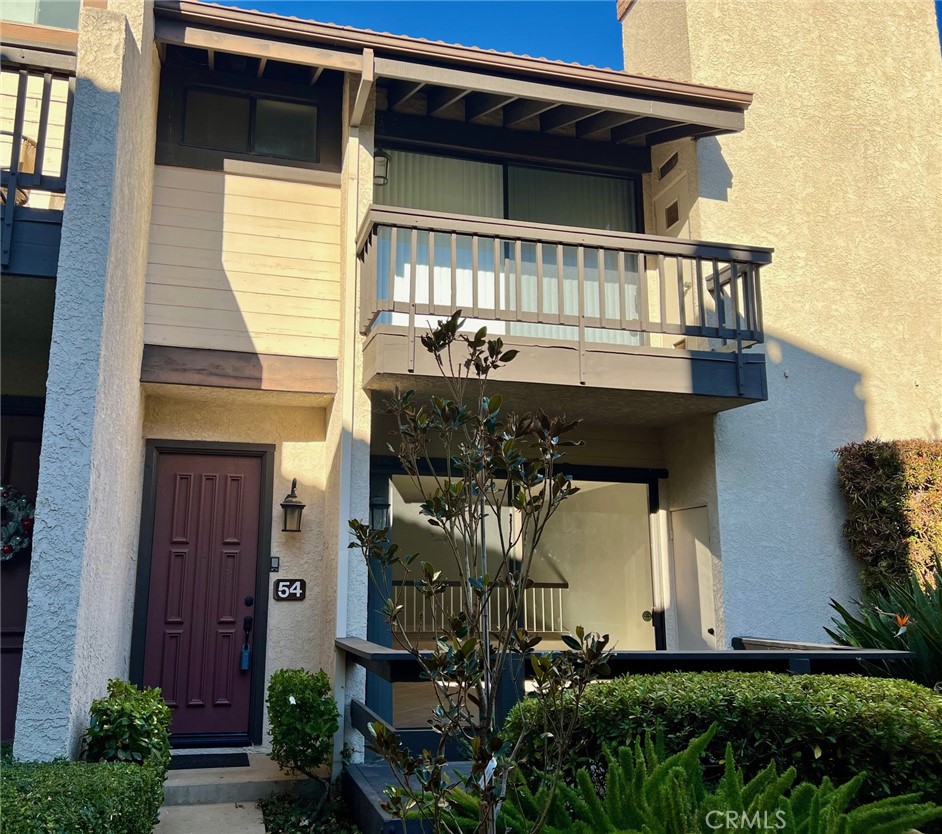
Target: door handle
column 245, row 656
column 647, row 616
column 249, row 602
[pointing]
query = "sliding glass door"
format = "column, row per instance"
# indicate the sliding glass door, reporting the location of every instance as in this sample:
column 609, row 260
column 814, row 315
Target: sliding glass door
column 540, row 195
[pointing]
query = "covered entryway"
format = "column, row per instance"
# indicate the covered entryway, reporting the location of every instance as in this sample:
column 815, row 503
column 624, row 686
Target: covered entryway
column 203, row 627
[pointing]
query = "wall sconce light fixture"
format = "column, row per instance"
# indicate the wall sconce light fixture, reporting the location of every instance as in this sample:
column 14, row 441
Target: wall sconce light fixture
column 292, row 507
column 380, row 167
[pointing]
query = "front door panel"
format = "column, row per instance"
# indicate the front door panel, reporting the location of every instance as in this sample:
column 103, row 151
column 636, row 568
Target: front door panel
column 202, row 588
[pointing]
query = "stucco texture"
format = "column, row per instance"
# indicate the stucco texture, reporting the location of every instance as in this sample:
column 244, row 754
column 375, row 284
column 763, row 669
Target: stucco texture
column 80, row 600
column 299, row 634
column 840, row 170
column 348, row 430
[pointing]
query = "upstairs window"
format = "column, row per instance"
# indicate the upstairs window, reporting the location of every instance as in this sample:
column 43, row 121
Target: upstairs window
column 63, row 14
column 250, row 124
column 228, row 110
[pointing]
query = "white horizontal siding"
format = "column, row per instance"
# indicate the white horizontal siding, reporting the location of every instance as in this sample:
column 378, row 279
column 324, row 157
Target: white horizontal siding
column 244, row 263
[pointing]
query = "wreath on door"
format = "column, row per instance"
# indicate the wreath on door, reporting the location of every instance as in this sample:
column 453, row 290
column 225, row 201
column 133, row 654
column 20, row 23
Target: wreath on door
column 17, row 521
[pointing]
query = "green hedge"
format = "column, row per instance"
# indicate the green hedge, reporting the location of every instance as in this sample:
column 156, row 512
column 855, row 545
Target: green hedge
column 823, row 725
column 89, row 797
column 894, row 507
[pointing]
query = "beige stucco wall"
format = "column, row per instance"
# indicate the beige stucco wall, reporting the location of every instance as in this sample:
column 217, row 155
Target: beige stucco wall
column 299, row 634
column 78, row 624
column 840, row 170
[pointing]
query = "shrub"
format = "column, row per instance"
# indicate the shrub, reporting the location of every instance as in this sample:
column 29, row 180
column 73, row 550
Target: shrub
column 647, row 791
column 894, row 507
column 87, row 797
column 130, row 725
column 904, row 615
column 823, row 725
column 303, row 719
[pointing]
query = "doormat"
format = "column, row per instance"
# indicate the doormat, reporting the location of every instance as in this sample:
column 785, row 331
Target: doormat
column 194, row 761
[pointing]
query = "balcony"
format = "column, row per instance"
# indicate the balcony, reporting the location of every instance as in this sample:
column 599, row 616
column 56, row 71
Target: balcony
column 36, row 93
column 670, row 322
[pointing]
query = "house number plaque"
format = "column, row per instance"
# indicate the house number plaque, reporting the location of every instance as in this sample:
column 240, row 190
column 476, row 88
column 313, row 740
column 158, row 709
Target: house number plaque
column 289, row 589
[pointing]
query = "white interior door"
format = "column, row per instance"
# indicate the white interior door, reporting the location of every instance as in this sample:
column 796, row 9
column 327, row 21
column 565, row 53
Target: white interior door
column 693, row 579
column 598, row 543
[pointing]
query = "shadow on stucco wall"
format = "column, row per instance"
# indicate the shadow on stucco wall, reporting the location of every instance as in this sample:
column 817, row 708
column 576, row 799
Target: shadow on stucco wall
column 783, row 557
column 716, row 177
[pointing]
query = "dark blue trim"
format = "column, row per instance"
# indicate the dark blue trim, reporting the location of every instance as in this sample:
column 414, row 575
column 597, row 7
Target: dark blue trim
column 16, row 406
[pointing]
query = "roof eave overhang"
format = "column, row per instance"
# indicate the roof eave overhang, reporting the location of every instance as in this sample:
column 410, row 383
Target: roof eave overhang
column 653, row 110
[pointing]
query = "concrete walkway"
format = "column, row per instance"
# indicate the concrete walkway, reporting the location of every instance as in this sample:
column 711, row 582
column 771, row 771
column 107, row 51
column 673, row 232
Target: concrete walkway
column 227, row 818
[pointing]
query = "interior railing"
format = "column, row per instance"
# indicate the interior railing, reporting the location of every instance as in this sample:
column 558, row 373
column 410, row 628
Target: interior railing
column 542, row 612
column 36, row 94
column 569, row 284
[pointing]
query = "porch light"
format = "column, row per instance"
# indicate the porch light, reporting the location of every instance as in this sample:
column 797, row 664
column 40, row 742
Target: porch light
column 292, row 508
column 380, row 167
column 379, row 514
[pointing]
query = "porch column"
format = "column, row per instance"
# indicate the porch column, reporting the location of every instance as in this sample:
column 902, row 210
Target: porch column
column 350, row 421
column 81, row 584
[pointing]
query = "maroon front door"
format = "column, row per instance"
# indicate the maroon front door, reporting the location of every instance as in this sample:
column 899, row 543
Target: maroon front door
column 202, row 588
column 20, row 440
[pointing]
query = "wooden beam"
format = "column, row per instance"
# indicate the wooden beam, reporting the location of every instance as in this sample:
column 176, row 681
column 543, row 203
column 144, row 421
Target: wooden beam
column 670, row 111
column 563, row 116
column 678, row 132
column 185, row 34
column 234, row 369
column 479, row 105
column 602, row 122
column 501, row 143
column 40, row 38
column 211, row 58
column 316, row 73
column 523, row 109
column 399, row 92
column 262, row 63
column 441, row 98
column 639, row 128
column 19, row 57
column 364, row 88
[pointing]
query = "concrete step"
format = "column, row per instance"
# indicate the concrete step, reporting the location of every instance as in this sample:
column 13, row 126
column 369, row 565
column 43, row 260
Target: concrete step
column 217, row 785
column 223, row 818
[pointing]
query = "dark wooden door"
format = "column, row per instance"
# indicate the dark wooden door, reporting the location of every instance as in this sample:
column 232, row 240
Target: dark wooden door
column 202, row 587
column 20, row 438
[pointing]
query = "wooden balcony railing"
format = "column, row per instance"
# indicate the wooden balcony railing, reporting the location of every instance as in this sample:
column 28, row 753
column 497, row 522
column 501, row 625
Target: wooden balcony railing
column 36, row 94
column 561, row 283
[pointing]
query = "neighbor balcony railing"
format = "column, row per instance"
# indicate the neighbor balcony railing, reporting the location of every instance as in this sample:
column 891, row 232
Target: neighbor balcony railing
column 561, row 283
column 36, row 94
